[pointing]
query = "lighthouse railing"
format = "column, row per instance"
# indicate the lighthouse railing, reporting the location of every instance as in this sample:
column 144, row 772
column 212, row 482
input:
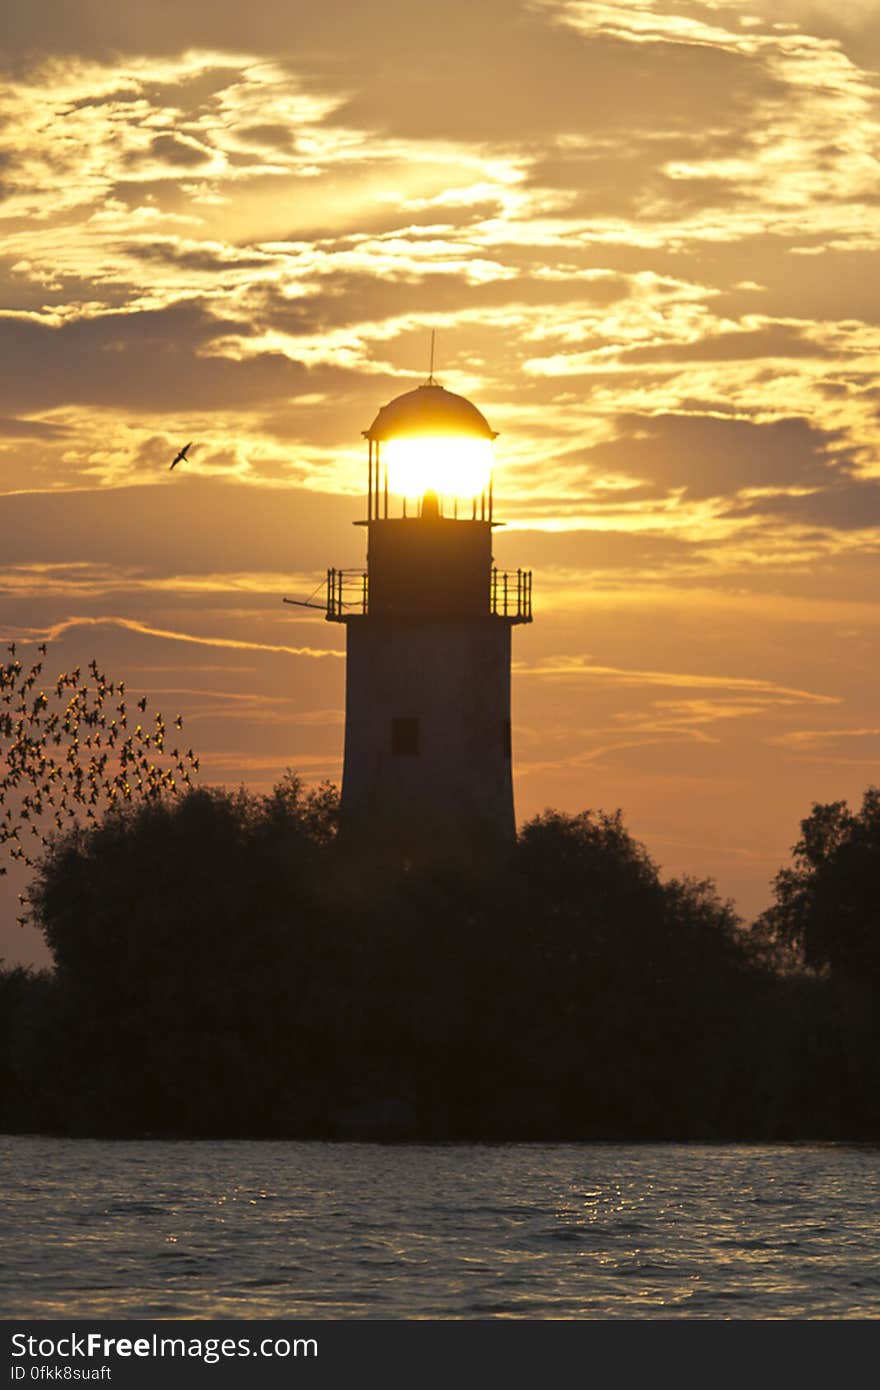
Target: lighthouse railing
column 510, row 594
column 347, row 593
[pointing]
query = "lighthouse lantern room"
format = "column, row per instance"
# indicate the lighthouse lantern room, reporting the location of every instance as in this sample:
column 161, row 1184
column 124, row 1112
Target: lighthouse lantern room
column 428, row 625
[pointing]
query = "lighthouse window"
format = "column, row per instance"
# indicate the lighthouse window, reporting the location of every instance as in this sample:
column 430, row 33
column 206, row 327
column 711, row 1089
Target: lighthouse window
column 405, row 738
column 505, row 738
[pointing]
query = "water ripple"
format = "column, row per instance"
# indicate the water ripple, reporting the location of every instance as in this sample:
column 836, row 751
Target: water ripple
column 239, row 1229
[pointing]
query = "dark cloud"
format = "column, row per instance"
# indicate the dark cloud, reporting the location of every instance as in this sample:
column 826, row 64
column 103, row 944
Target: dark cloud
column 174, row 150
column 710, row 457
column 846, row 504
column 341, row 297
column 832, row 284
column 389, row 219
column 188, row 526
column 168, row 193
column 513, row 72
column 630, row 181
column 279, row 137
column 194, row 93
column 152, row 361
column 338, row 418
column 119, row 96
column 548, row 80
column 772, row 340
column 11, row 428
column 205, row 258
column 590, row 550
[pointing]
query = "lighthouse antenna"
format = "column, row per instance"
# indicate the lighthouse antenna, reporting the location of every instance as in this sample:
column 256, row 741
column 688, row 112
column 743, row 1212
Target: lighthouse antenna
column 431, row 367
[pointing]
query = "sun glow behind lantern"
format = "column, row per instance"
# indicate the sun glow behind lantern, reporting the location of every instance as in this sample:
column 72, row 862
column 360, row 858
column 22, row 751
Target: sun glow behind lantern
column 451, row 466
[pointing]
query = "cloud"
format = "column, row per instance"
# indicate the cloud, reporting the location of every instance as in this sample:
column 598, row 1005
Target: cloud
column 810, row 739
column 770, row 340
column 845, row 504
column 178, row 151
column 11, row 428
column 184, row 526
column 586, row 550
column 706, row 456
column 58, row 630
column 562, row 667
column 153, row 361
column 396, row 61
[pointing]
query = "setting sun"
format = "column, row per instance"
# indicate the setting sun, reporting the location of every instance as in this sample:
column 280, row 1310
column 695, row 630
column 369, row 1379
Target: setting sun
column 451, row 466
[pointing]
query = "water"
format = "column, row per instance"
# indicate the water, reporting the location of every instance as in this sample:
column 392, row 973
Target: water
column 259, row 1229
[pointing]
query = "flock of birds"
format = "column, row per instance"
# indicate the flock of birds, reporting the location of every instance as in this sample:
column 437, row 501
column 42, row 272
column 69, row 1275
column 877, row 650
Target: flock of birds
column 69, row 751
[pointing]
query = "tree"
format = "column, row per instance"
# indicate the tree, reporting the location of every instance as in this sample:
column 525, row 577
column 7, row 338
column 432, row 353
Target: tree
column 184, row 935
column 629, row 995
column 828, row 902
column 71, row 749
column 225, row 965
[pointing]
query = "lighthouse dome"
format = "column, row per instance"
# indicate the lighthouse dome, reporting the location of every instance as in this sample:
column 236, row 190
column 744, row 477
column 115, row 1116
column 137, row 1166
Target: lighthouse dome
column 429, row 410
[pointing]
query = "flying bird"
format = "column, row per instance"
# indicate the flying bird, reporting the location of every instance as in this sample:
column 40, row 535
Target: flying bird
column 181, row 457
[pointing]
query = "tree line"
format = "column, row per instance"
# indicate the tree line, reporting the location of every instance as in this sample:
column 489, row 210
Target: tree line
column 226, row 964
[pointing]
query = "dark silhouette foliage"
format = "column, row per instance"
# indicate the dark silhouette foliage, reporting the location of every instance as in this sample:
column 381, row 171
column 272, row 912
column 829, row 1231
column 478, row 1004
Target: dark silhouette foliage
column 227, row 965
column 180, row 930
column 827, row 904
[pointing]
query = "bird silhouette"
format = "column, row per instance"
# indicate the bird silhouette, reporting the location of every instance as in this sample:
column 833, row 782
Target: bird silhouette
column 181, row 456
column 45, row 791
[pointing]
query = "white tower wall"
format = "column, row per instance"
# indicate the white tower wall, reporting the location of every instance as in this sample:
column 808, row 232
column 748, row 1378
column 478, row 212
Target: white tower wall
column 427, row 727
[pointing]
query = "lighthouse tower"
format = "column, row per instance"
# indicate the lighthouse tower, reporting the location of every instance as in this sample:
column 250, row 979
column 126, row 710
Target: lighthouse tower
column 428, row 627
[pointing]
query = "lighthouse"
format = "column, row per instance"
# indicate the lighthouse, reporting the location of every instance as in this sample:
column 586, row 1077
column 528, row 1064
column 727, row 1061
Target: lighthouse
column 428, row 637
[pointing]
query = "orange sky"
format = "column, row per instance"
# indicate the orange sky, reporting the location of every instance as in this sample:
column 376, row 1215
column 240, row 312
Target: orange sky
column 646, row 236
